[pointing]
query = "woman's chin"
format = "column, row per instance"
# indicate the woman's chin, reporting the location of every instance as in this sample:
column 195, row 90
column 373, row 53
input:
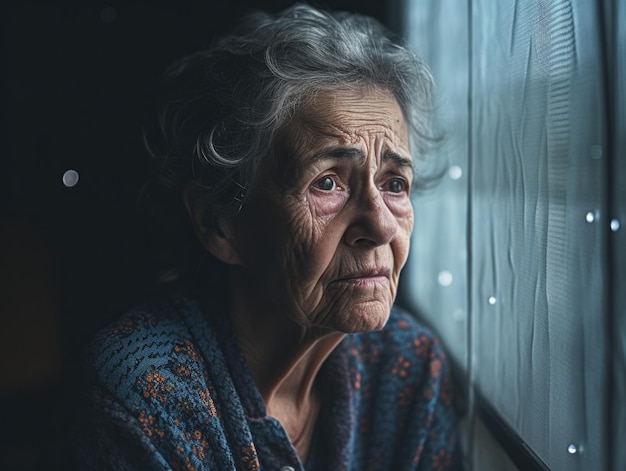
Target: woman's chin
column 368, row 316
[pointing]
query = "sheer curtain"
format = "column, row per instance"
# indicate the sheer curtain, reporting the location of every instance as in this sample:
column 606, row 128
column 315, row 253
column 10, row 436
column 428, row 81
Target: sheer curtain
column 517, row 258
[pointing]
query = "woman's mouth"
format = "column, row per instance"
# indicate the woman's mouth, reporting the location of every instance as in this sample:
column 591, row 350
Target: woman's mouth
column 366, row 278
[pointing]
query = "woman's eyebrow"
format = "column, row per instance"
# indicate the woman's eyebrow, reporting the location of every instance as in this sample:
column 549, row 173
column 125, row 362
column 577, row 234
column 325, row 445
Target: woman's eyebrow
column 342, row 153
column 354, row 153
column 397, row 159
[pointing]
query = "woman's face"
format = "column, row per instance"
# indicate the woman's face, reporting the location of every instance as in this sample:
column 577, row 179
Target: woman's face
column 326, row 232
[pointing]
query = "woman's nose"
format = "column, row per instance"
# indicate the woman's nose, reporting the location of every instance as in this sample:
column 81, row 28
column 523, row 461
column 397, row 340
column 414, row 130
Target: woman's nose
column 371, row 221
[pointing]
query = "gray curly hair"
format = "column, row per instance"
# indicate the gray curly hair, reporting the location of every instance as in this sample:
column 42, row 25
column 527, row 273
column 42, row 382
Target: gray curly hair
column 224, row 106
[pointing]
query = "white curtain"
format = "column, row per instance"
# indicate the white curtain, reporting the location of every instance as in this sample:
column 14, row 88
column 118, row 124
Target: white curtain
column 516, row 261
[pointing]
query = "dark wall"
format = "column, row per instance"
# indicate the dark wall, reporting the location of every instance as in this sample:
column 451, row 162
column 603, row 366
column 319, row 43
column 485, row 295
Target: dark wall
column 79, row 86
column 79, row 81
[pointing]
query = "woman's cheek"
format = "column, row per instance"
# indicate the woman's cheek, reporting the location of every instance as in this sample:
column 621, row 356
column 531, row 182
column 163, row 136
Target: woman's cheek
column 327, row 203
column 403, row 211
column 400, row 207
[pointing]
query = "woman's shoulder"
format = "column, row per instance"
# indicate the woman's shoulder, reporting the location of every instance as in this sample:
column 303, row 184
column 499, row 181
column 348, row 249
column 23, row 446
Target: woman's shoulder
column 403, row 347
column 143, row 342
column 403, row 332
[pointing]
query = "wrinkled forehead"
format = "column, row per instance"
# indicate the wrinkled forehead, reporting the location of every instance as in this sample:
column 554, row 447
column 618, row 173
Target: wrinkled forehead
column 368, row 121
column 349, row 116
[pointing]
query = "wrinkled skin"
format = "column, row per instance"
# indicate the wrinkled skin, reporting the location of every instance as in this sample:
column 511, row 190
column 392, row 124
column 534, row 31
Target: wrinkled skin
column 324, row 236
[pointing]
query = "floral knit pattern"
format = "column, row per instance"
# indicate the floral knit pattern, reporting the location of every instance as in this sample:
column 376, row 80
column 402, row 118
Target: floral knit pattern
column 168, row 388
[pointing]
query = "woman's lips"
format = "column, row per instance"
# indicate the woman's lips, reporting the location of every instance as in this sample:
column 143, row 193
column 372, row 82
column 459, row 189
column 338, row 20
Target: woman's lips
column 373, row 277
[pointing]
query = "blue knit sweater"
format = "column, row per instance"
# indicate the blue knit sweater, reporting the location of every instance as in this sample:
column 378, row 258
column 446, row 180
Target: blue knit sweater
column 168, row 388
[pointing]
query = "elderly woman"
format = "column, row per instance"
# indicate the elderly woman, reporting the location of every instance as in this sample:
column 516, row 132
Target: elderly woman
column 291, row 145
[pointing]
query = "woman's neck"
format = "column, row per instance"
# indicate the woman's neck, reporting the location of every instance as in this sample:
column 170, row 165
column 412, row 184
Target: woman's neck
column 284, row 359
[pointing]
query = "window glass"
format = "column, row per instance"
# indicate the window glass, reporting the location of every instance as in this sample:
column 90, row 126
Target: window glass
column 510, row 253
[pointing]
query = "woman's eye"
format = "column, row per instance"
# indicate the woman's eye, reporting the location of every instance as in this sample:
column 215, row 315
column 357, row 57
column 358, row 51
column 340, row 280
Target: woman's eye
column 325, row 184
column 397, row 185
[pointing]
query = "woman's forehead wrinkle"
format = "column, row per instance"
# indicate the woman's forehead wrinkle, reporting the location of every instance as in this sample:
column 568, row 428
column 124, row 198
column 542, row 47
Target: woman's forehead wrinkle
column 352, row 109
column 347, row 125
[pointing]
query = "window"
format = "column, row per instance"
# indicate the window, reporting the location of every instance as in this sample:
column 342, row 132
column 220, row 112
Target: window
column 518, row 260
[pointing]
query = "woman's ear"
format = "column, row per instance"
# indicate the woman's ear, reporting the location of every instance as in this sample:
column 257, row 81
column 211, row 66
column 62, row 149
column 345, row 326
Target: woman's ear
column 215, row 234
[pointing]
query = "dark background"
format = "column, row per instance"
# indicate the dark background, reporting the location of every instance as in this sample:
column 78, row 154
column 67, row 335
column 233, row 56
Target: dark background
column 79, row 81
